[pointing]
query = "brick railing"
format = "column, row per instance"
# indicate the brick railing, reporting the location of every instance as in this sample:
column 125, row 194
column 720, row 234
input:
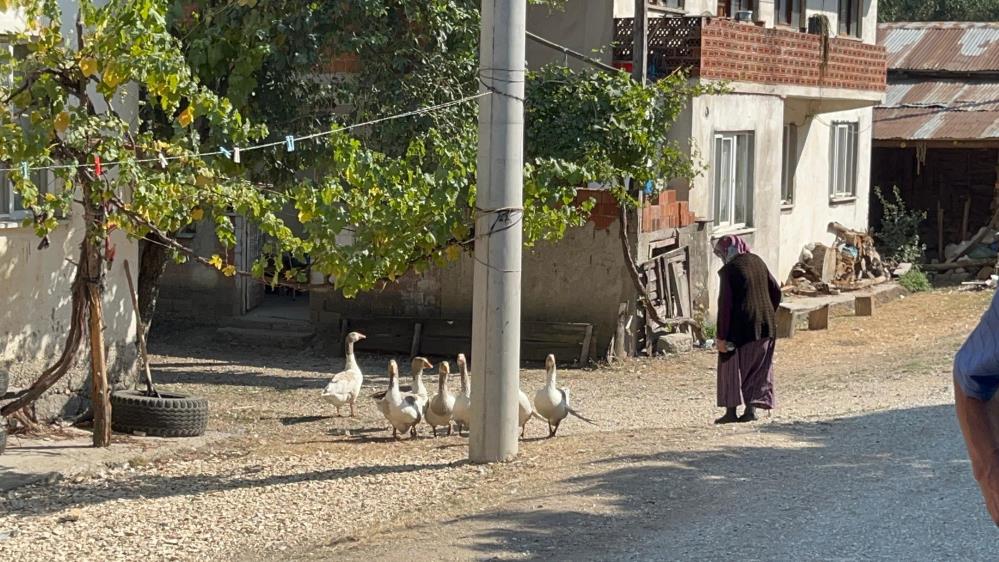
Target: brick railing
column 722, row 49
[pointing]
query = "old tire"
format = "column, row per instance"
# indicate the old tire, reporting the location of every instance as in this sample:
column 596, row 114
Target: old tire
column 169, row 415
column 4, row 382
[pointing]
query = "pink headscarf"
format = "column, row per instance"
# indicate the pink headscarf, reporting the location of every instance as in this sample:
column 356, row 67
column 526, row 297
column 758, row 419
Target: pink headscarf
column 730, row 246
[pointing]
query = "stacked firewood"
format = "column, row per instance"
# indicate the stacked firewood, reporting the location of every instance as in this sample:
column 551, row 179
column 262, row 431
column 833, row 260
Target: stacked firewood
column 851, row 263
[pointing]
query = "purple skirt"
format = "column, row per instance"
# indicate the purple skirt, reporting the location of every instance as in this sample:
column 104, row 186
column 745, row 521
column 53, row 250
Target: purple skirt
column 746, row 376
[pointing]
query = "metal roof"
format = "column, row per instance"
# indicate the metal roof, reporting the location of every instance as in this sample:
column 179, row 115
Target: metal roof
column 912, row 123
column 941, row 46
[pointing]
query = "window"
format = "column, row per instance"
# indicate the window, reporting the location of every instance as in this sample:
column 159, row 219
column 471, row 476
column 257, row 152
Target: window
column 788, row 12
column 849, row 18
column 675, row 4
column 733, row 177
column 789, row 163
column 728, row 8
column 12, row 207
column 843, row 161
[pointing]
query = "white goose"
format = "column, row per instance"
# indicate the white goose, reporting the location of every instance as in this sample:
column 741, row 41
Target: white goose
column 553, row 403
column 402, row 411
column 419, row 389
column 441, row 406
column 345, row 386
column 463, row 401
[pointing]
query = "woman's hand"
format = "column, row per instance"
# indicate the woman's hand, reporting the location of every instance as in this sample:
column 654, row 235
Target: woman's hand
column 721, row 346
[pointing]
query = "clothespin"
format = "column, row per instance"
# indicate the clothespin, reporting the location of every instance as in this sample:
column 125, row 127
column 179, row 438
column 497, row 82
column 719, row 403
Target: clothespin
column 163, row 161
column 24, row 170
column 289, row 143
column 235, row 155
column 225, row 152
column 98, row 170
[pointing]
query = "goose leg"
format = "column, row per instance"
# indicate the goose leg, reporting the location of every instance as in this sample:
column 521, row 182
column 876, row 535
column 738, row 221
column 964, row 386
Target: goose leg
column 412, row 432
column 395, row 434
column 338, row 412
column 554, row 431
column 551, row 432
column 449, row 430
column 353, row 410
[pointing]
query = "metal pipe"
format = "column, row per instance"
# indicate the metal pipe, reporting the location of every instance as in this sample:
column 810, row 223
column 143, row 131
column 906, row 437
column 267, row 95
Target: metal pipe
column 498, row 228
column 569, row 52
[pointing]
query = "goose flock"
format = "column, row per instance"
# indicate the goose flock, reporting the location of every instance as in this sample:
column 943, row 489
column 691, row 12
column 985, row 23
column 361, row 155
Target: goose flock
column 406, row 407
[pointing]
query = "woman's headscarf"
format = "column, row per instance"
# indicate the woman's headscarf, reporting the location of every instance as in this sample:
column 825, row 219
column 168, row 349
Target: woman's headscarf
column 730, row 246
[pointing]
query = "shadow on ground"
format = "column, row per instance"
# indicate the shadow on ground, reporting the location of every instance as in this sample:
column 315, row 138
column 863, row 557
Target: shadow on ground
column 894, row 485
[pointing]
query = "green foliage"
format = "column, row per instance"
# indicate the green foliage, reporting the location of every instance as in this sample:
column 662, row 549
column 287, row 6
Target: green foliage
column 938, row 10
column 58, row 116
column 915, row 281
column 898, row 239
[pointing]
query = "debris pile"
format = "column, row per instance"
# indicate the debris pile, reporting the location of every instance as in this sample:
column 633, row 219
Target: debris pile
column 974, row 258
column 851, row 263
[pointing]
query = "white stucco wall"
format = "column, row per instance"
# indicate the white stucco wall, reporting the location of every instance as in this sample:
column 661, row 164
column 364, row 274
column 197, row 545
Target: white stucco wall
column 807, row 221
column 35, row 301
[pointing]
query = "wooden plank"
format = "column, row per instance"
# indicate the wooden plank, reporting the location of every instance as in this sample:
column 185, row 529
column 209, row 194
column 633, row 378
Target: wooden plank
column 683, row 291
column 584, row 353
column 415, row 347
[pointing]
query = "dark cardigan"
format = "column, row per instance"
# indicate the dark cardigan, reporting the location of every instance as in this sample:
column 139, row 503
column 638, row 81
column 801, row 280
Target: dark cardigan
column 747, row 301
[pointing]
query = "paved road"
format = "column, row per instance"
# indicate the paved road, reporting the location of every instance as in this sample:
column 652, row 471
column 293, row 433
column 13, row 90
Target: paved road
column 887, row 485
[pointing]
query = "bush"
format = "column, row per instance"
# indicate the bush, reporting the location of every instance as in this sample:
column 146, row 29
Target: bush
column 710, row 331
column 915, row 281
column 898, row 239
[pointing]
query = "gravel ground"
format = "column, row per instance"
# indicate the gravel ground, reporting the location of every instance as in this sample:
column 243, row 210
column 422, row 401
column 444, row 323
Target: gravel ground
column 294, row 482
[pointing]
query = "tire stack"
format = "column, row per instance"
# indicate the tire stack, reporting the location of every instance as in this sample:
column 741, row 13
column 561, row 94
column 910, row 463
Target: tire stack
column 4, row 380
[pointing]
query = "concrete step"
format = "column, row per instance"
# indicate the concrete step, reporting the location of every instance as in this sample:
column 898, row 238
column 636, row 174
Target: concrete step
column 290, row 339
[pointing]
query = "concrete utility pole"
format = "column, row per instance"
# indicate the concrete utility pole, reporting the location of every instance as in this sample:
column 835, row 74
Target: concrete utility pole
column 498, row 231
column 640, row 48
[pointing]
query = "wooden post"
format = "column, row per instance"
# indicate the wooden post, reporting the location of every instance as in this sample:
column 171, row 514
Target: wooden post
column 786, row 323
column 964, row 219
column 584, row 353
column 99, row 397
column 940, row 232
column 864, row 306
column 143, row 354
column 414, row 349
column 818, row 319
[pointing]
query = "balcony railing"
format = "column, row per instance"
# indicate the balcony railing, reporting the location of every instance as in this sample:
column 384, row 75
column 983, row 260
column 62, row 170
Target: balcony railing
column 722, row 49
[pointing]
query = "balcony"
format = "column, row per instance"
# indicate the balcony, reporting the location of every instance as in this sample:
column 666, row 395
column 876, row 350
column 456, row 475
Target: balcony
column 722, row 49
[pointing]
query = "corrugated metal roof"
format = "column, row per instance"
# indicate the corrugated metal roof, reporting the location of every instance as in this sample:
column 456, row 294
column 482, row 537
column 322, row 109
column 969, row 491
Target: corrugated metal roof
column 953, row 95
column 941, row 46
column 913, row 123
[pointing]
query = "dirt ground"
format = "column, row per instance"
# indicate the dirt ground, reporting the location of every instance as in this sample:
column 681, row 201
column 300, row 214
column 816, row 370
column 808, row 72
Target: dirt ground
column 861, row 459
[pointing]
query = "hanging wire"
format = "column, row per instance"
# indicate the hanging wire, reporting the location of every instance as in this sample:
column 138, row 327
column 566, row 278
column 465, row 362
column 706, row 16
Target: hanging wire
column 282, row 142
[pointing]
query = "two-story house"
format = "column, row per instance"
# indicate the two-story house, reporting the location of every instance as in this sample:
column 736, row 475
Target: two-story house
column 787, row 149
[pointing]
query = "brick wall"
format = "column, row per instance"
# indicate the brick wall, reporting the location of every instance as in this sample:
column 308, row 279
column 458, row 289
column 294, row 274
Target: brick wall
column 661, row 213
column 722, row 49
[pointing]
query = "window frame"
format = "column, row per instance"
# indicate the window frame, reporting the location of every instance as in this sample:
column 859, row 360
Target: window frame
column 741, row 143
column 851, row 21
column 789, row 13
column 843, row 185
column 788, row 164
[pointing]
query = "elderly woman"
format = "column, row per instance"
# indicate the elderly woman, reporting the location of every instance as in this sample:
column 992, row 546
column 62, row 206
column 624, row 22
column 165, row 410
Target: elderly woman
column 747, row 326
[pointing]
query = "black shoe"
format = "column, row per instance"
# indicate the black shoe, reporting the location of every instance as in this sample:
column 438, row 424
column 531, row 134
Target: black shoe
column 729, row 417
column 749, row 415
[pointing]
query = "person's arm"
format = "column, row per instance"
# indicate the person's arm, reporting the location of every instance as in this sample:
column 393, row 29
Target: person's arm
column 979, row 422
